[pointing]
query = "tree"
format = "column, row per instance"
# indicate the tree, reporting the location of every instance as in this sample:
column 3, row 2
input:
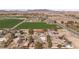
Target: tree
column 45, row 30
column 77, row 26
column 70, row 22
column 21, row 32
column 31, row 39
column 59, row 45
column 62, row 22
column 31, row 31
column 38, row 45
column 69, row 42
column 13, row 36
column 62, row 37
column 76, row 22
column 55, row 21
column 67, row 25
column 49, row 41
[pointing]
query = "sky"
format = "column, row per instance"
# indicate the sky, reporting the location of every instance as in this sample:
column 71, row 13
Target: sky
column 40, row 4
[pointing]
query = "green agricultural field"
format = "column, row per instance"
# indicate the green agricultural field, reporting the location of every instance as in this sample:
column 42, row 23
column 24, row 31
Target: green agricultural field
column 9, row 23
column 36, row 25
column 12, row 17
column 16, row 16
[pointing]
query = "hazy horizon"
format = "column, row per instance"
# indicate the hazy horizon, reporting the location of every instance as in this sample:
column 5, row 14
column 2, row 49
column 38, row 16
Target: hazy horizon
column 41, row 9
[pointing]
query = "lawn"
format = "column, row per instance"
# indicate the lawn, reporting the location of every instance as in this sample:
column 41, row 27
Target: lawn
column 9, row 23
column 36, row 25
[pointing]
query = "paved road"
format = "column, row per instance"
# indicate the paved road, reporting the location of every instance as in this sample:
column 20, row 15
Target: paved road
column 75, row 33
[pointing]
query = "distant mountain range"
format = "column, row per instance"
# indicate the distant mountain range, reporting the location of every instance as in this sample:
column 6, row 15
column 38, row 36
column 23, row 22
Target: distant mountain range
column 39, row 10
column 33, row 11
column 45, row 10
column 36, row 10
